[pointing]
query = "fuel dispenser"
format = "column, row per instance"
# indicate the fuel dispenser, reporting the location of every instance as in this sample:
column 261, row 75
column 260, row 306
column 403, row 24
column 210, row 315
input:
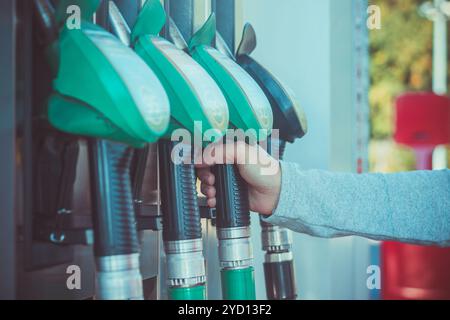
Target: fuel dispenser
column 249, row 111
column 290, row 120
column 197, row 104
column 103, row 90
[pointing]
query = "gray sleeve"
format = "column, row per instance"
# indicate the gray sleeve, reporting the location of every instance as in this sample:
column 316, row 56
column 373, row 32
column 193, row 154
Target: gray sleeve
column 412, row 207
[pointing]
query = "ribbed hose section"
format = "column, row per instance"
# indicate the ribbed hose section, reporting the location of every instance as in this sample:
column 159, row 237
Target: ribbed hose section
column 181, row 213
column 114, row 219
column 232, row 205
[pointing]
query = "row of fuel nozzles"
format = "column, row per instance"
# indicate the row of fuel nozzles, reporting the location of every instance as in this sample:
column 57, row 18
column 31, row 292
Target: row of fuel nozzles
column 132, row 87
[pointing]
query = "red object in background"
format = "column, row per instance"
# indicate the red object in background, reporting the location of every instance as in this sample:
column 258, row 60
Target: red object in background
column 422, row 119
column 414, row 272
column 410, row 271
column 422, row 122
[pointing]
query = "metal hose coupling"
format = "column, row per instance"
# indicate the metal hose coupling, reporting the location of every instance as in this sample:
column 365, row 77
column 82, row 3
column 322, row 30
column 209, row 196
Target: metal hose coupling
column 236, row 257
column 278, row 262
column 275, row 239
column 185, row 263
column 235, row 249
column 118, row 278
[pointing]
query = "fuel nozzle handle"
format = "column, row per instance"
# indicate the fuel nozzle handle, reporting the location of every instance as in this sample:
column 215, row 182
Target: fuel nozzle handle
column 248, row 109
column 232, row 205
column 178, row 197
column 182, row 232
column 116, row 245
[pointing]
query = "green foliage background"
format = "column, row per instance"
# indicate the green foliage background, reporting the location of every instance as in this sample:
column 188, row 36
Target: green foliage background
column 401, row 61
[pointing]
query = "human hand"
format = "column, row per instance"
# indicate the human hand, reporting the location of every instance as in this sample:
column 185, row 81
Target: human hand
column 253, row 162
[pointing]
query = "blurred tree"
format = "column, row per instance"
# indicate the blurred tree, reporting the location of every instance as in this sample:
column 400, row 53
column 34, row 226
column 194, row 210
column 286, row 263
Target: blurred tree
column 401, row 61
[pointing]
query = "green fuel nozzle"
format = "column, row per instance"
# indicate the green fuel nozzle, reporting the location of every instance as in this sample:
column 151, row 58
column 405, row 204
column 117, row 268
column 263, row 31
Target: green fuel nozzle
column 249, row 111
column 195, row 98
column 197, row 105
column 114, row 86
column 249, row 108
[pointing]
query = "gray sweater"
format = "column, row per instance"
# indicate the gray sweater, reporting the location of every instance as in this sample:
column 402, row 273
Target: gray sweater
column 411, row 207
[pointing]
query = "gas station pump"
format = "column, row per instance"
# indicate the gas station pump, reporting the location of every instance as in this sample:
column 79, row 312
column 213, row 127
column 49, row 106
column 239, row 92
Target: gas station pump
column 290, row 120
column 119, row 105
column 107, row 118
column 197, row 104
column 249, row 111
column 67, row 185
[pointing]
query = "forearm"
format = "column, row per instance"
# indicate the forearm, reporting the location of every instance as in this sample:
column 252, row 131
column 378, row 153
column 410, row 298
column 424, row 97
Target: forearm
column 411, row 207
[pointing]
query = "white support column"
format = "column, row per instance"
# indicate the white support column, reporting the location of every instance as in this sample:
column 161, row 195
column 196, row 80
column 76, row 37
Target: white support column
column 440, row 49
column 440, row 68
column 439, row 13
